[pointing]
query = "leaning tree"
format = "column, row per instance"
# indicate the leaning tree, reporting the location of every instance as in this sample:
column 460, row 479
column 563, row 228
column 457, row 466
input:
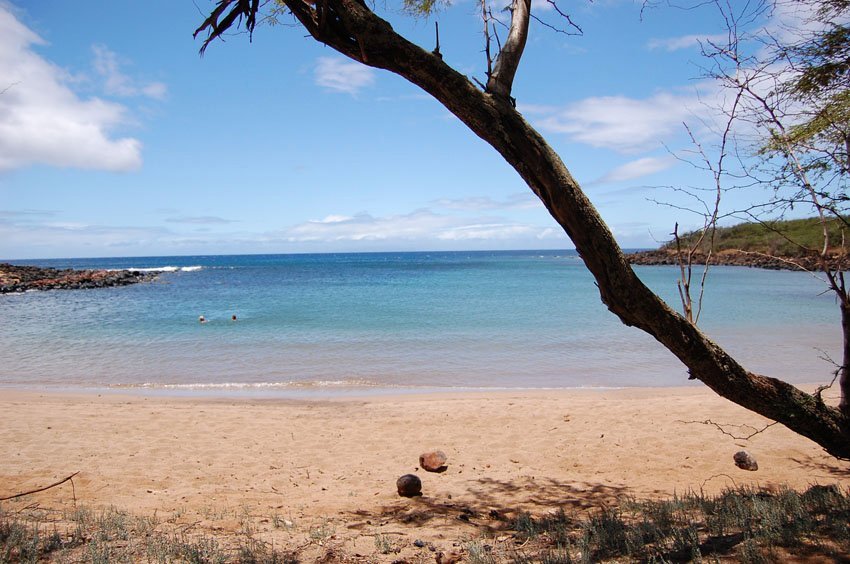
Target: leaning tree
column 352, row 28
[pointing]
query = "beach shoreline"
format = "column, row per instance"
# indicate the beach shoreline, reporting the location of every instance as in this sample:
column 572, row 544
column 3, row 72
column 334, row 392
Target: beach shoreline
column 334, row 462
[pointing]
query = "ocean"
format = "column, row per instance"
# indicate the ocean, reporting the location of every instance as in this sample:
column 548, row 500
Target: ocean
column 351, row 324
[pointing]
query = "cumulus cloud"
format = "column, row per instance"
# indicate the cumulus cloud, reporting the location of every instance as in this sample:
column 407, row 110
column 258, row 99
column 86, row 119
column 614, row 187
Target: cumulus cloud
column 684, row 42
column 42, row 121
column 108, row 67
column 341, row 75
column 627, row 125
column 636, row 169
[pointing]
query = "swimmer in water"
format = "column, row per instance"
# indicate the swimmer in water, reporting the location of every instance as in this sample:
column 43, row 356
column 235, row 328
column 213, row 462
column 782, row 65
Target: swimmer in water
column 202, row 319
column 233, row 317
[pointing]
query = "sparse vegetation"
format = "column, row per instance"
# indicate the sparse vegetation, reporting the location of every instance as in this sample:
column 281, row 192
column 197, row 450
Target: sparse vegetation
column 785, row 238
column 740, row 525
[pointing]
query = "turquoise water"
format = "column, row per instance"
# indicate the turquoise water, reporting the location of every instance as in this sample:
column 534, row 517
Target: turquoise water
column 377, row 322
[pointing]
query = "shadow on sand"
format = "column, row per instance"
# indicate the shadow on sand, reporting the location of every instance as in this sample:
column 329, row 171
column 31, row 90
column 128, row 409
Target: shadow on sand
column 491, row 504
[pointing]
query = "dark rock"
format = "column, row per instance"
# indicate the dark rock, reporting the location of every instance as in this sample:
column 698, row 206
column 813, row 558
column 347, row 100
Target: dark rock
column 434, row 461
column 745, row 461
column 448, row 557
column 409, row 485
column 23, row 278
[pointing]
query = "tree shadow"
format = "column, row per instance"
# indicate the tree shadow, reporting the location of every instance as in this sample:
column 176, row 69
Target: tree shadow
column 496, row 504
column 831, row 470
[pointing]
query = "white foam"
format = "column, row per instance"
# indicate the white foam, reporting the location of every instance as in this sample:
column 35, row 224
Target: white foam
column 263, row 385
column 163, row 269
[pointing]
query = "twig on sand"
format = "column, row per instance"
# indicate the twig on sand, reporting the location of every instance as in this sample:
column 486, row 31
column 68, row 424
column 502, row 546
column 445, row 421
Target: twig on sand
column 721, row 427
column 713, row 477
column 62, row 481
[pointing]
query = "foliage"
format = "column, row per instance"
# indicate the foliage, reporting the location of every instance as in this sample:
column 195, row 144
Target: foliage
column 424, row 7
column 782, row 238
column 808, row 114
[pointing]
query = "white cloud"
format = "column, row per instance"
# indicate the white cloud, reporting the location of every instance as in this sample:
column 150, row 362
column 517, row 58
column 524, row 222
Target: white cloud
column 793, row 21
column 541, row 6
column 116, row 83
column 636, row 169
column 67, row 238
column 684, row 41
column 44, row 234
column 43, row 122
column 420, row 226
column 489, row 231
column 341, row 75
column 627, row 125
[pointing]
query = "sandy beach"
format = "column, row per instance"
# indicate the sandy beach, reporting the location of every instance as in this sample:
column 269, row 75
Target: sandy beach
column 309, row 475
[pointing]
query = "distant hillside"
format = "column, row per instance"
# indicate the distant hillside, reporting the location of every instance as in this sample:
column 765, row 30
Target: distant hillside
column 770, row 245
column 773, row 238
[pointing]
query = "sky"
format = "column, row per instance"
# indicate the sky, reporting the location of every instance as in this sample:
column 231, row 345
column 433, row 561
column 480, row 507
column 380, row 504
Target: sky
column 118, row 139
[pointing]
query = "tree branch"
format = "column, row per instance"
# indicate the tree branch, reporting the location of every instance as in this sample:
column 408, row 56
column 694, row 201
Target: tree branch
column 355, row 31
column 53, row 485
column 501, row 79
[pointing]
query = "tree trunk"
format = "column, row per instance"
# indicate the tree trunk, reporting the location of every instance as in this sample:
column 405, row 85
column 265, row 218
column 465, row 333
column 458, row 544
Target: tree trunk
column 844, row 373
column 355, row 31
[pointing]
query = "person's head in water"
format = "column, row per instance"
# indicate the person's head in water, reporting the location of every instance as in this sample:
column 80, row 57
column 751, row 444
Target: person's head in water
column 233, row 317
column 202, row 319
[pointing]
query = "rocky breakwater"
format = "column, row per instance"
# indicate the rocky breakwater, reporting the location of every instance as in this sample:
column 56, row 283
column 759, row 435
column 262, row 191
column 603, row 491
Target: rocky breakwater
column 22, row 278
column 738, row 258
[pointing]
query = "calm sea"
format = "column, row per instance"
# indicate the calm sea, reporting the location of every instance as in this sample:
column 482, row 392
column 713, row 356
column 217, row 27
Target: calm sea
column 335, row 324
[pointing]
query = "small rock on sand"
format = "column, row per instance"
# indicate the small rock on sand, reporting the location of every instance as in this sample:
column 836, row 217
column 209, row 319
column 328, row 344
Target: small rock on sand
column 745, row 461
column 434, row 461
column 409, row 485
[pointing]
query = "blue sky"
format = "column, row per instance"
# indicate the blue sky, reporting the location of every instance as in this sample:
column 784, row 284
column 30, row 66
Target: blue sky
column 118, row 139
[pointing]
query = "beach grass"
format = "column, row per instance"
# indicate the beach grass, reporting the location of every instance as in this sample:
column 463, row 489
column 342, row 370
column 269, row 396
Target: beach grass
column 742, row 524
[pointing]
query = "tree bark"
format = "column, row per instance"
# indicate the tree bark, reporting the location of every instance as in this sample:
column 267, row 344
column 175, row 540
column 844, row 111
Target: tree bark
column 844, row 373
column 351, row 28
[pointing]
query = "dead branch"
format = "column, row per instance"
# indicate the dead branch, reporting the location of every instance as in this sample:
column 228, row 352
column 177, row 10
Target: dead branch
column 566, row 17
column 720, row 427
column 60, row 482
column 713, row 477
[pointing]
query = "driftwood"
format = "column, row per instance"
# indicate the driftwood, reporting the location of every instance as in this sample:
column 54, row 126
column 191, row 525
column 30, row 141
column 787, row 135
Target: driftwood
column 22, row 494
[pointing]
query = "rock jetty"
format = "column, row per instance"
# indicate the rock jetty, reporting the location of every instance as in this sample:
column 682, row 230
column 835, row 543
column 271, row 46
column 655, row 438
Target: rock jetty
column 22, row 278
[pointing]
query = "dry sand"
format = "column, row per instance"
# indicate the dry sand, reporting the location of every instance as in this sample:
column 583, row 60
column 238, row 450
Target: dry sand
column 313, row 474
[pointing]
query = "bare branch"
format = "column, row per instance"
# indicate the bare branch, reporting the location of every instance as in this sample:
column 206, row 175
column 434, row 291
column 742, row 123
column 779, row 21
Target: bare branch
column 576, row 29
column 500, row 81
column 722, row 428
column 240, row 9
column 37, row 490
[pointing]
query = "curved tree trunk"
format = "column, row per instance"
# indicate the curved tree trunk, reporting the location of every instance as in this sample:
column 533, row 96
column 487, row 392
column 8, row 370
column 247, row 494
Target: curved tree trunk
column 355, row 31
column 844, row 372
